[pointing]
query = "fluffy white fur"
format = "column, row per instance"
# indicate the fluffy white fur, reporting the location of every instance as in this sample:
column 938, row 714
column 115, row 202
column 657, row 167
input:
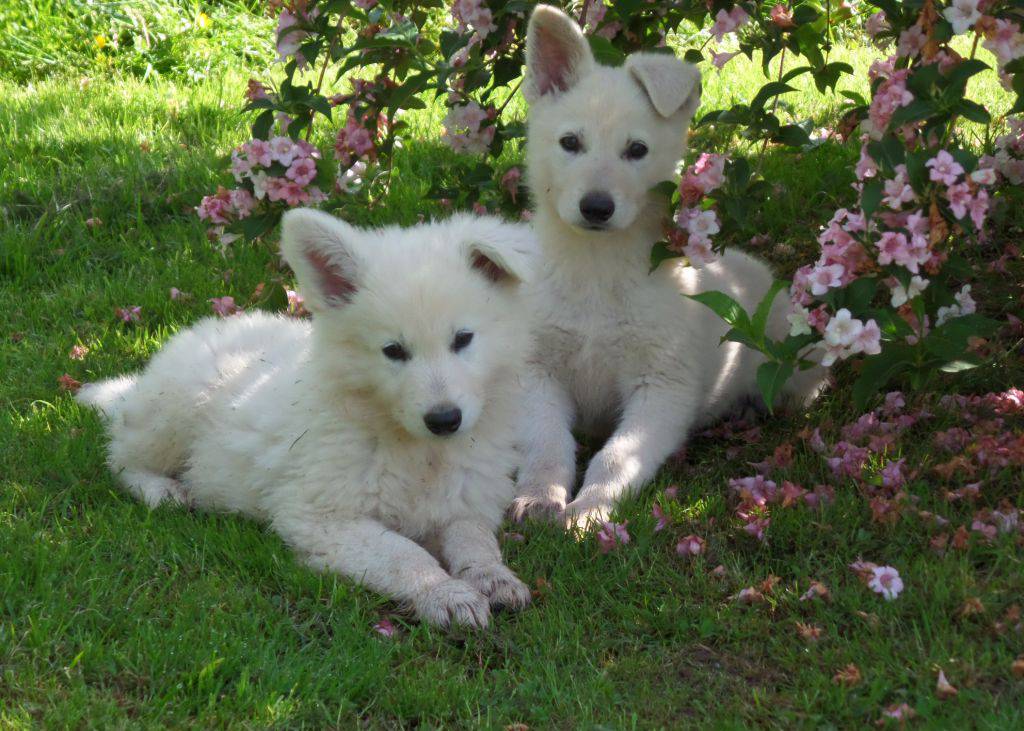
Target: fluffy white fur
column 310, row 427
column 620, row 350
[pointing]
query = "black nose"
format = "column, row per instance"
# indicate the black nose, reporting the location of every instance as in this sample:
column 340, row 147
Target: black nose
column 443, row 421
column 597, row 207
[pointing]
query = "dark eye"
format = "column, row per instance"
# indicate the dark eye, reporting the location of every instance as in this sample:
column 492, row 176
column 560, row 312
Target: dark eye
column 394, row 351
column 636, row 150
column 461, row 340
column 570, row 143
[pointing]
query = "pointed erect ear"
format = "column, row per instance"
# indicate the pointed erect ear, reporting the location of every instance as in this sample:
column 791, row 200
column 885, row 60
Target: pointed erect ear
column 557, row 53
column 671, row 85
column 503, row 252
column 319, row 249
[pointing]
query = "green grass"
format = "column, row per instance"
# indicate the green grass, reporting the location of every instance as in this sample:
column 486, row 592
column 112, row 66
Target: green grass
column 115, row 616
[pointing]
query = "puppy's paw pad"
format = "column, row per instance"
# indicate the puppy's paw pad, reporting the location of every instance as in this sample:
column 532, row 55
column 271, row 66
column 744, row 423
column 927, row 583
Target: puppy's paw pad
column 454, row 602
column 541, row 507
column 499, row 584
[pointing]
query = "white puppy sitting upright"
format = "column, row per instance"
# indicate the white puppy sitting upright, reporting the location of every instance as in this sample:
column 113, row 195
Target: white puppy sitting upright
column 383, row 428
column 620, row 350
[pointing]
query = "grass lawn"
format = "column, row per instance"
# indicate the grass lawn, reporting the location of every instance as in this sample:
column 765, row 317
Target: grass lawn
column 112, row 615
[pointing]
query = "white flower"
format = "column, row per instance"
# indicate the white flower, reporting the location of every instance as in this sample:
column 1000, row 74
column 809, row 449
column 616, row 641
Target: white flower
column 703, row 225
column 945, row 314
column 799, row 324
column 283, row 150
column 962, row 15
column 901, row 295
column 843, row 329
column 963, row 298
column 259, row 184
column 984, row 176
column 885, row 580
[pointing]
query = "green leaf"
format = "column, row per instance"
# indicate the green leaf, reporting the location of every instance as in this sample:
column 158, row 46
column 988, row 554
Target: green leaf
column 605, row 51
column 878, row 370
column 725, row 307
column 871, row 198
column 661, row 253
column 764, row 308
column 261, row 127
column 973, row 111
column 769, row 90
column 771, row 377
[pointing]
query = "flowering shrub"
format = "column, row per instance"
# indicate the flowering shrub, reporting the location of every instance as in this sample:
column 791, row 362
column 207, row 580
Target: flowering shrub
column 888, row 287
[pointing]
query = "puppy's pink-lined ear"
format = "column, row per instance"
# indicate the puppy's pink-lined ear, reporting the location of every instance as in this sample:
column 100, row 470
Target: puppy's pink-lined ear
column 671, row 85
column 502, row 252
column 319, row 249
column 557, row 53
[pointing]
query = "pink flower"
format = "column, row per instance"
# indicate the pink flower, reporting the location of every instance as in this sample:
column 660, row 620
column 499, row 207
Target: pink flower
column 898, row 190
column 868, row 340
column 68, row 384
column 1005, row 41
column 464, row 129
column 719, row 60
column 256, row 91
column 944, row 169
column 892, row 474
column 901, row 295
column 473, row 14
column 709, row 171
column 592, row 15
column 510, row 182
column 176, row 294
column 612, row 535
column 129, row 314
column 960, row 198
column 782, row 16
column 78, row 352
column 259, row 153
column 242, row 201
column 289, row 36
column 384, row 628
column 824, row 278
column 728, row 22
column 224, row 306
column 699, row 252
column 296, row 304
column 962, row 14
column 978, row 209
column 876, row 24
column 283, row 150
column 885, row 580
column 659, row 515
column 756, row 490
column 302, row 171
column 911, row 42
column 691, row 545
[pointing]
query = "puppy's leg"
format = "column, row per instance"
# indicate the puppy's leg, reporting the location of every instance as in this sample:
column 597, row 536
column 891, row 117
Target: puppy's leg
column 471, row 551
column 387, row 562
column 654, row 424
column 549, row 465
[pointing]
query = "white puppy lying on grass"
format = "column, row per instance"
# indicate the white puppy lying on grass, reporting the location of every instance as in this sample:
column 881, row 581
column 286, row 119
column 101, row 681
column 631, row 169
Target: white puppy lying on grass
column 375, row 437
column 620, row 350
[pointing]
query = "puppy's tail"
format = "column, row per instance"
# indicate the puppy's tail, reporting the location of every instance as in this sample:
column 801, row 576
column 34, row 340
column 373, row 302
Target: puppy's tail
column 109, row 396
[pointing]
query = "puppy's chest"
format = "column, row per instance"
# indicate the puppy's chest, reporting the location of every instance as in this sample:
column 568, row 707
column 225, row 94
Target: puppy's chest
column 416, row 494
column 596, row 339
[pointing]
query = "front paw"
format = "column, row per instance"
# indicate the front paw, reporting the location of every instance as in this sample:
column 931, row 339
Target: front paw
column 547, row 506
column 497, row 582
column 584, row 515
column 453, row 602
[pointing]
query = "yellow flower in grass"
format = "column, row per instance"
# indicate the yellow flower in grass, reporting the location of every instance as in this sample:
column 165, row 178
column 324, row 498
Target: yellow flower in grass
column 203, row 21
column 101, row 41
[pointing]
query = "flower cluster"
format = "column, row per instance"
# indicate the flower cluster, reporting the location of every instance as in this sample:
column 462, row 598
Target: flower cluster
column 280, row 170
column 469, row 128
column 695, row 223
